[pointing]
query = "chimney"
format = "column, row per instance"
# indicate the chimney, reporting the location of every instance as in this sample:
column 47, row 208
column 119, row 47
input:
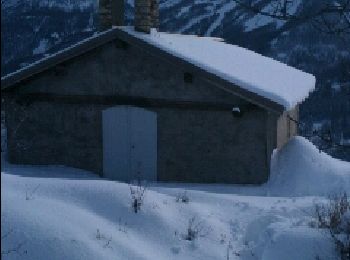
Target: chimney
column 111, row 13
column 146, row 15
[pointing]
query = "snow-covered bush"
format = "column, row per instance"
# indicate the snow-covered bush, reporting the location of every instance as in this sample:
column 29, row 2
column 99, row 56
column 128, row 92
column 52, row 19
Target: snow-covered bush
column 335, row 218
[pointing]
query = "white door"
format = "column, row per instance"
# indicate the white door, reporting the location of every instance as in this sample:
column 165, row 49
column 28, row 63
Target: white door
column 129, row 143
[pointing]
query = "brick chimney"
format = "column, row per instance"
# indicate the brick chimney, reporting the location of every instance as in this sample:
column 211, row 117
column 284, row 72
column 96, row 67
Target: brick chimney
column 111, row 13
column 146, row 15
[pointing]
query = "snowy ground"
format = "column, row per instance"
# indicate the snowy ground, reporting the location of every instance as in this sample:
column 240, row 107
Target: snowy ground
column 63, row 213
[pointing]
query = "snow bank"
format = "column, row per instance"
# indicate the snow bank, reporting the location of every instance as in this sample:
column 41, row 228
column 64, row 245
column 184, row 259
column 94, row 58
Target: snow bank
column 300, row 169
column 267, row 77
column 64, row 213
column 284, row 240
column 68, row 214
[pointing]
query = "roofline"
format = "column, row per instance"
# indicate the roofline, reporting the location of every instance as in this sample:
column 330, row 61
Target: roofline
column 11, row 80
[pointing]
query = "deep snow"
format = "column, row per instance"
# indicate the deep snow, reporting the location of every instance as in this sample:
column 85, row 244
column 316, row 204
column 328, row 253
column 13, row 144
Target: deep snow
column 63, row 213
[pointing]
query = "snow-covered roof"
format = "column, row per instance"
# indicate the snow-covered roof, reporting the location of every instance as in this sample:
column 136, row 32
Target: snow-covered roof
column 251, row 71
column 262, row 80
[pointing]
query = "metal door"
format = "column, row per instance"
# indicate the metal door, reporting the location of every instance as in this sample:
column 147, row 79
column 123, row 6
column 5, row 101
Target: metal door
column 129, row 143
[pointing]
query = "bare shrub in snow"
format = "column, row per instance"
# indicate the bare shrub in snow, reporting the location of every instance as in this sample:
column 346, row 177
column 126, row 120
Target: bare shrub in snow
column 195, row 230
column 229, row 248
column 122, row 226
column 335, row 218
column 107, row 241
column 107, row 244
column 222, row 238
column 137, row 193
column 182, row 197
column 230, row 251
column 30, row 193
column 15, row 249
column 98, row 235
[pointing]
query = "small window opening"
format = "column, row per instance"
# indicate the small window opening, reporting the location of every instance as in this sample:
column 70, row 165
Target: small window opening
column 188, row 77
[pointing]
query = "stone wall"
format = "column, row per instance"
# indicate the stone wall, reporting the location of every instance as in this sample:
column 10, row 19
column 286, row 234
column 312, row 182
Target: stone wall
column 50, row 133
column 146, row 15
column 212, row 146
column 105, row 14
column 110, row 12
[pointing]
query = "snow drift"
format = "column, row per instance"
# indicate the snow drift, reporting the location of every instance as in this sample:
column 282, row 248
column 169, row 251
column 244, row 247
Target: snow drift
column 300, row 169
column 64, row 213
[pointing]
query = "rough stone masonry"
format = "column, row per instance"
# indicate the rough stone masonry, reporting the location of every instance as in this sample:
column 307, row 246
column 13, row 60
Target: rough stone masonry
column 146, row 15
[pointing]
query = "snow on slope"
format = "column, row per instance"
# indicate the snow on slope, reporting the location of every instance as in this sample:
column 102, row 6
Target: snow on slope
column 67, row 5
column 193, row 22
column 63, row 213
column 260, row 20
column 9, row 3
column 224, row 9
column 269, row 78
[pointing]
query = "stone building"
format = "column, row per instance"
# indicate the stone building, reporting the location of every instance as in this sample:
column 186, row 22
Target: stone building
column 131, row 102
